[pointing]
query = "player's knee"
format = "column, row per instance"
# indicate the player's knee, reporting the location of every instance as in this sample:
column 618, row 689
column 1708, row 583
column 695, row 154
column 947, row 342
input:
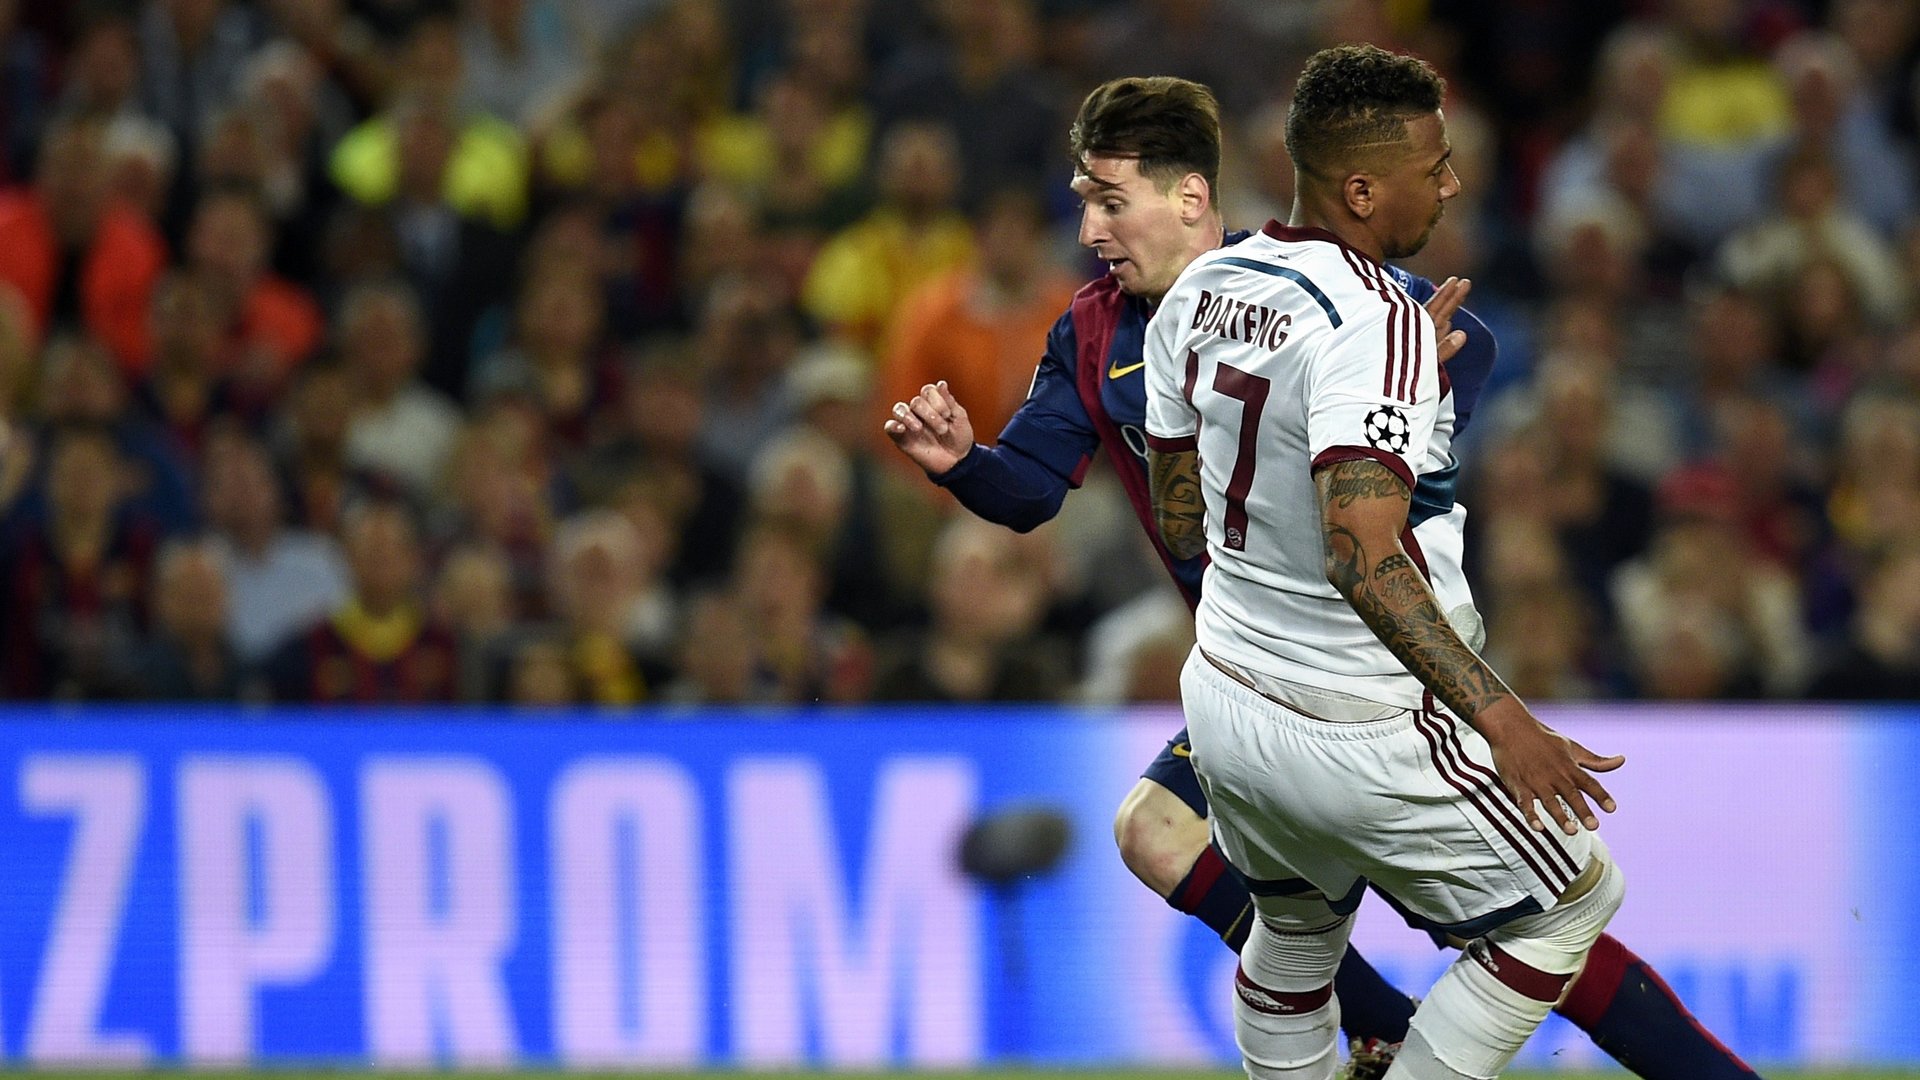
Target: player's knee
column 1554, row 943
column 1155, row 843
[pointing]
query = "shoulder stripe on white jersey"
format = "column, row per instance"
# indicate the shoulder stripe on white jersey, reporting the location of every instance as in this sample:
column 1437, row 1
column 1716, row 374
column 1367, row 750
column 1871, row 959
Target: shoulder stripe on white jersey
column 1402, row 327
column 1288, row 272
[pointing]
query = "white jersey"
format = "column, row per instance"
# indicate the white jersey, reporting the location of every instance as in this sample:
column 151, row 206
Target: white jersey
column 1281, row 353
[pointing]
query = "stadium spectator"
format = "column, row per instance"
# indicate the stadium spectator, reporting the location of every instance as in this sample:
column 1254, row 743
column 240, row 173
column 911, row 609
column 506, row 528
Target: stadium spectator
column 976, row 327
column 191, row 56
column 473, row 597
column 278, row 579
column 1700, row 613
column 189, row 655
column 380, row 645
column 915, row 233
column 651, row 449
column 82, row 260
column 981, row 80
column 1881, row 659
column 557, row 358
column 269, row 325
column 983, row 640
column 880, row 532
column 427, row 154
column 75, row 579
column 451, row 194
column 81, row 386
column 312, row 449
column 515, row 56
column 401, row 428
column 607, row 595
column 802, row 652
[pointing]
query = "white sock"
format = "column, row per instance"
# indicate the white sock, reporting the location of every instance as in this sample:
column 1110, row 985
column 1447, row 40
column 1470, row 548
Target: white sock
column 1490, row 1000
column 1285, row 1017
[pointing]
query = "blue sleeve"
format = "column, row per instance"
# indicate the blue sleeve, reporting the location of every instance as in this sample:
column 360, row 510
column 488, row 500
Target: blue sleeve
column 1021, row 482
column 1469, row 368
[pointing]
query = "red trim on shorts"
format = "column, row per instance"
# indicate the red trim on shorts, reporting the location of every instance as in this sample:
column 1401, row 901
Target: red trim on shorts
column 1546, row 842
column 1432, row 731
column 1273, row 1002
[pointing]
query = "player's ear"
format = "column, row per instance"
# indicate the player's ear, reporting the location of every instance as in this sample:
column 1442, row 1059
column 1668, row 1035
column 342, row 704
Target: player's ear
column 1196, row 197
column 1358, row 193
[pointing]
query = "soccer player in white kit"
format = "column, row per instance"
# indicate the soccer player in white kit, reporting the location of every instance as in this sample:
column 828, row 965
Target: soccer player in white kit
column 1301, row 427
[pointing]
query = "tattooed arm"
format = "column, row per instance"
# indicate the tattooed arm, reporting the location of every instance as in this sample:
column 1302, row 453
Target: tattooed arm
column 1363, row 510
column 1178, row 507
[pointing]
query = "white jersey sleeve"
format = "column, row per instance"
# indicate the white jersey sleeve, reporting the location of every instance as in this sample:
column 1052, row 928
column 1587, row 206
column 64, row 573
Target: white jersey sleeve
column 1372, row 388
column 1172, row 421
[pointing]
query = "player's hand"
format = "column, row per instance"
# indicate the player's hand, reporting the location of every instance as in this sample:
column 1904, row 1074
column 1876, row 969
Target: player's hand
column 1441, row 305
column 1540, row 766
column 932, row 429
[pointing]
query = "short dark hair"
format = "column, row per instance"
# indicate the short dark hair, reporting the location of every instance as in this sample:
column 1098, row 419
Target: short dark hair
column 1353, row 96
column 1170, row 126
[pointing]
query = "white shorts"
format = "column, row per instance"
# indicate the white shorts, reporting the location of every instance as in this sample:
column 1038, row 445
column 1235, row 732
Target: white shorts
column 1314, row 790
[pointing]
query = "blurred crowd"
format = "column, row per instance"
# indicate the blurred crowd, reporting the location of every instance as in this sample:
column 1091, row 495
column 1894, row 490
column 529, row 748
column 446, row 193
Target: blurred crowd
column 536, row 351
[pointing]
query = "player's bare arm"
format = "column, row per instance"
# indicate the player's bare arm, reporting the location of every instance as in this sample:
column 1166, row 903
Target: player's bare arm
column 932, row 429
column 1363, row 508
column 1177, row 504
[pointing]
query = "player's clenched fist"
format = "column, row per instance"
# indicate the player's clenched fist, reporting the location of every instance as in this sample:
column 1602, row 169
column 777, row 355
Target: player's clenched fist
column 932, row 429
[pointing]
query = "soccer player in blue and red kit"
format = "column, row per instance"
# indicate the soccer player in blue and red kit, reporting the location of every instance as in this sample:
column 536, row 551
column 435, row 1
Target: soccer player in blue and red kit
column 1147, row 155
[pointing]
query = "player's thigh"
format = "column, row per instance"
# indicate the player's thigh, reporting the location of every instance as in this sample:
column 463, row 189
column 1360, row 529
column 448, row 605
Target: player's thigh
column 1273, row 793
column 1457, row 854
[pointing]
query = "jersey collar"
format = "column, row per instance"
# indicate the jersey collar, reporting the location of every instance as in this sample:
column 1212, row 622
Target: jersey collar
column 1294, row 234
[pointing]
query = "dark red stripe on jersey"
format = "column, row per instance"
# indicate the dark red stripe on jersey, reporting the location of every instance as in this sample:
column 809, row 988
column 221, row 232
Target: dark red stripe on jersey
column 1276, row 1003
column 1394, row 341
column 1411, row 358
column 1542, row 844
column 1400, row 322
column 1419, row 353
column 1547, row 842
column 1523, row 978
column 1359, row 269
column 1193, row 376
column 1334, row 455
column 1409, row 323
column 1432, row 731
column 1176, row 444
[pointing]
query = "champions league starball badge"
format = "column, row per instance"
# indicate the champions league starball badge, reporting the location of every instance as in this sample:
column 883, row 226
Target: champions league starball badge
column 1388, row 429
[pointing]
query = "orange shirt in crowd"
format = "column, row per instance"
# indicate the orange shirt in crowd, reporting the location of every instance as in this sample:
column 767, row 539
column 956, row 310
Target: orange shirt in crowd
column 282, row 319
column 123, row 263
column 948, row 329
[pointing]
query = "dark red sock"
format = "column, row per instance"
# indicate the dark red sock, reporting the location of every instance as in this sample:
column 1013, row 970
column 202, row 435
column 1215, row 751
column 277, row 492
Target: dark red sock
column 1631, row 1013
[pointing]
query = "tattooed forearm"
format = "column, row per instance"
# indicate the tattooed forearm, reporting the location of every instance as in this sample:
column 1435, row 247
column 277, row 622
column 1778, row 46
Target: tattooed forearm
column 1388, row 591
column 1178, row 507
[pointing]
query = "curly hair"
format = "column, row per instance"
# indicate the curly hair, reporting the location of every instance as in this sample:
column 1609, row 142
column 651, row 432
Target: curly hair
column 1170, row 126
column 1353, row 97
